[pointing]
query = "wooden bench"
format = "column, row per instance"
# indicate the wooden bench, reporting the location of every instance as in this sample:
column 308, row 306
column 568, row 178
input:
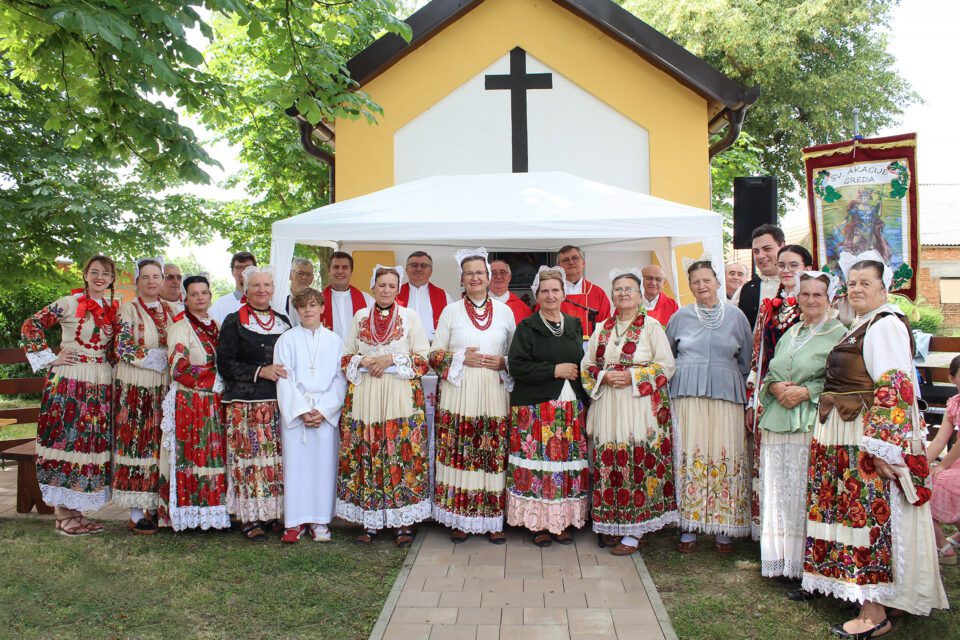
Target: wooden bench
column 935, row 385
column 22, row 451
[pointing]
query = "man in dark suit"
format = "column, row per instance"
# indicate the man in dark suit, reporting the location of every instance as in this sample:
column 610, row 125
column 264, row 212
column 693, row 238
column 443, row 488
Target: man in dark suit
column 766, row 241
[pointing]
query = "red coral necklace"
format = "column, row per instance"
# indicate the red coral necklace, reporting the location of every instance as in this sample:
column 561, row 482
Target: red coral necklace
column 481, row 315
column 381, row 322
column 268, row 325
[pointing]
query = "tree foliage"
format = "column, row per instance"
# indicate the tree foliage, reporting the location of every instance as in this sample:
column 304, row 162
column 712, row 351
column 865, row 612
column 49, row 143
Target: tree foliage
column 816, row 61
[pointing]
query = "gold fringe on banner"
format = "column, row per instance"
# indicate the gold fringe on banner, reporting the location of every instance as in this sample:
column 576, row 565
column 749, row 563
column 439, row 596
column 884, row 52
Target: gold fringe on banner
column 849, row 148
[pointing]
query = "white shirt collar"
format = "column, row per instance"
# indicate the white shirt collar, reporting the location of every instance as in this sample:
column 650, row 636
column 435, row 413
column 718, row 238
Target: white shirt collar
column 650, row 304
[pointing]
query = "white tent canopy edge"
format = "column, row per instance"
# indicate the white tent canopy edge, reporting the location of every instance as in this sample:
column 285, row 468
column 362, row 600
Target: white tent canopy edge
column 503, row 212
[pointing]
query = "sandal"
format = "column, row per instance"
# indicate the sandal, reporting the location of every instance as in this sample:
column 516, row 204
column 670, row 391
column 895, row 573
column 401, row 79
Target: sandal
column 92, row 527
column 607, row 540
column 367, row 538
column 840, row 632
column 497, row 537
column 73, row 530
column 457, row 536
column 723, row 547
column 145, row 526
column 687, row 547
column 542, row 539
column 254, row 532
column 624, row 549
column 403, row 538
column 564, row 537
column 273, row 525
column 953, row 542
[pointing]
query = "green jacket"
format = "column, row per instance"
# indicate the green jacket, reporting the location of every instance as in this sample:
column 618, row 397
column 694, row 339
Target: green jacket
column 534, row 354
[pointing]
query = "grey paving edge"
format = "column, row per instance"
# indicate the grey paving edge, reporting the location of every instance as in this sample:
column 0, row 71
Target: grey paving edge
column 387, row 612
column 662, row 616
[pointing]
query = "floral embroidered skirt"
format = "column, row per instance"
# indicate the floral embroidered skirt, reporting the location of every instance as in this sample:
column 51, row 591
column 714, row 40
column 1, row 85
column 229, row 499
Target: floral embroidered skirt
column 74, row 437
column 195, row 437
column 470, row 435
column 865, row 541
column 548, row 477
column 634, row 489
column 383, row 471
column 254, row 461
column 712, row 467
column 783, row 498
column 139, row 474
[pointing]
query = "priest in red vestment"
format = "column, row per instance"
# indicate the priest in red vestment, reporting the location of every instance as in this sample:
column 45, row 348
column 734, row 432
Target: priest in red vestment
column 584, row 299
column 658, row 304
column 500, row 276
column 341, row 300
column 421, row 295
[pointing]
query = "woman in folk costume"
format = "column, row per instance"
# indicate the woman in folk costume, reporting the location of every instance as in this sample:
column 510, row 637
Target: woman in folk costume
column 469, row 355
column 245, row 362
column 548, row 476
column 775, row 317
column 711, row 342
column 142, row 378
column 310, row 398
column 626, row 371
column 870, row 537
column 193, row 433
column 384, row 470
column 74, row 425
column 787, row 406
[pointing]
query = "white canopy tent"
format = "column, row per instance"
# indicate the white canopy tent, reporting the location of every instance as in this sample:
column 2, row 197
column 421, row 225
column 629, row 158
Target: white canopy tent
column 503, row 212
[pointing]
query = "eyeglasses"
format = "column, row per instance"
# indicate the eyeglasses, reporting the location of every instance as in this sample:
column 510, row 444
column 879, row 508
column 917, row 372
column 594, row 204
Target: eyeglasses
column 419, row 265
column 571, row 260
column 474, row 274
column 238, row 268
column 500, row 274
column 304, row 273
column 171, row 276
column 654, row 279
column 625, row 291
column 99, row 274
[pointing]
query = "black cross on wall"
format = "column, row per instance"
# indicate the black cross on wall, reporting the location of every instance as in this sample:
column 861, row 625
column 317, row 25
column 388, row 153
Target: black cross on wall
column 519, row 82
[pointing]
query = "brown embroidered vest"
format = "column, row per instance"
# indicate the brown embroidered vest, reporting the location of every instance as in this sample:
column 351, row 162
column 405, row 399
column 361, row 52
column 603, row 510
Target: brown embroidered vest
column 849, row 386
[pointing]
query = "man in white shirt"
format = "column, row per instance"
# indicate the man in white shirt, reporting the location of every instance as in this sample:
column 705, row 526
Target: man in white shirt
column 658, row 304
column 230, row 303
column 341, row 299
column 421, row 295
column 301, row 277
column 500, row 276
column 736, row 274
column 172, row 290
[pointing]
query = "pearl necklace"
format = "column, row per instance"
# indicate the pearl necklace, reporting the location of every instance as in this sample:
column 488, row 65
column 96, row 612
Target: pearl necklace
column 709, row 318
column 556, row 332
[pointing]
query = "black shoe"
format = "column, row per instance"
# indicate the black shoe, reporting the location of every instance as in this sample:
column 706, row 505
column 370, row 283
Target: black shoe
column 799, row 595
column 838, row 631
column 143, row 527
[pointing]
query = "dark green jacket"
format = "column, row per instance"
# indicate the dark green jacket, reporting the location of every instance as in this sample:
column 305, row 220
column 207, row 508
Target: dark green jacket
column 534, row 354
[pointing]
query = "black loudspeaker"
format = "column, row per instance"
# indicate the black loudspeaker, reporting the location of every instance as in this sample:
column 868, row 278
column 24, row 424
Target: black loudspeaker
column 754, row 204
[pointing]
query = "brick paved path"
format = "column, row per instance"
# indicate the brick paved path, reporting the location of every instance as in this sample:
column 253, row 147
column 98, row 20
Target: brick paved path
column 481, row 591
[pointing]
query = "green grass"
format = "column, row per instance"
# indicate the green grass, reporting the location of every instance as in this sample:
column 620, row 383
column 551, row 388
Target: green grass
column 715, row 597
column 188, row 585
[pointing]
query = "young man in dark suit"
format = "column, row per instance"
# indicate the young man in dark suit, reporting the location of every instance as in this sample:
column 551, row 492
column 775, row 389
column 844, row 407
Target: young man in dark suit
column 766, row 241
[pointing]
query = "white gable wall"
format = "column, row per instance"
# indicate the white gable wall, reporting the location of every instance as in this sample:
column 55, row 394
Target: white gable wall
column 570, row 130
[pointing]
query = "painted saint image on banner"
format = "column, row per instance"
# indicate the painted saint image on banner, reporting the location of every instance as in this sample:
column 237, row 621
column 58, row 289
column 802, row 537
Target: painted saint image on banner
column 862, row 207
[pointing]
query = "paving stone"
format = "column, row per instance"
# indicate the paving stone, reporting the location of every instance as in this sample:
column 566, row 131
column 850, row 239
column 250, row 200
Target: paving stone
column 534, row 632
column 418, row 599
column 488, row 632
column 634, row 617
column 460, row 599
column 561, row 572
column 429, row 571
column 429, row 559
column 479, row 616
column 512, row 616
column 415, row 584
column 440, row 584
column 640, row 632
column 424, row 615
column 522, row 572
column 492, row 584
column 479, row 571
column 611, row 600
column 590, row 621
column 401, row 631
column 453, row 632
column 565, row 600
column 582, row 585
column 544, row 585
column 508, row 599
column 545, row 616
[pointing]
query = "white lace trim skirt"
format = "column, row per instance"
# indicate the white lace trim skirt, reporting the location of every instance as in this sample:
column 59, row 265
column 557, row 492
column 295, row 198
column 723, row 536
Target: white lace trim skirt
column 783, row 503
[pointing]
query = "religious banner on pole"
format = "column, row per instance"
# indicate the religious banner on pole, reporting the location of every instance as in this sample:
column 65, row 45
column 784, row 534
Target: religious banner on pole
column 862, row 195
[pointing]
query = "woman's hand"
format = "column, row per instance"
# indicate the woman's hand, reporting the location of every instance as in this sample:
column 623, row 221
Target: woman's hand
column 884, row 468
column 567, row 371
column 748, row 416
column 66, row 356
column 473, row 358
column 793, row 395
column 378, row 365
column 617, row 379
column 272, row 372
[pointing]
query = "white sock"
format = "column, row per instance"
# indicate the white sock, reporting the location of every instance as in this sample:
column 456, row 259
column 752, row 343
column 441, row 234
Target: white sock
column 722, row 539
column 136, row 514
column 688, row 536
column 630, row 541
